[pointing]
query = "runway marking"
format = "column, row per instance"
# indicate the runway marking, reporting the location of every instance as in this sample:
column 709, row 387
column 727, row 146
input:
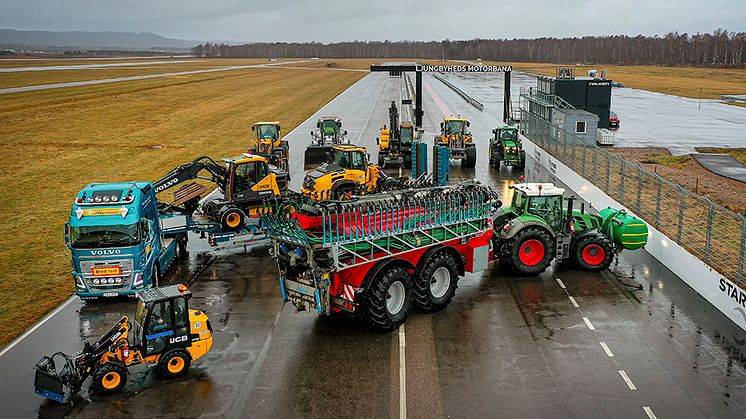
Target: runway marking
column 37, row 325
column 626, row 379
column 438, row 101
column 649, row 412
column 402, row 374
column 561, row 284
column 588, row 323
column 572, row 300
column 606, row 349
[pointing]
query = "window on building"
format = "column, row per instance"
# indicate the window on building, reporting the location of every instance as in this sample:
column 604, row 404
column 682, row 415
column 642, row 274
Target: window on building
column 580, row 127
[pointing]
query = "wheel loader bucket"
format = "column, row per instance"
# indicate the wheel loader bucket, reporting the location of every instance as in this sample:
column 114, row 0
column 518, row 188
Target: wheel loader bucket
column 47, row 382
column 315, row 155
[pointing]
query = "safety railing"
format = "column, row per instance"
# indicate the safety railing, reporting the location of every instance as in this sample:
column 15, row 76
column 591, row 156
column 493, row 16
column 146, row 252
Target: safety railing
column 473, row 102
column 706, row 229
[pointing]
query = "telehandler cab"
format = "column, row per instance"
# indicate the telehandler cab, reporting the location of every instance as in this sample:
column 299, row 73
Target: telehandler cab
column 166, row 333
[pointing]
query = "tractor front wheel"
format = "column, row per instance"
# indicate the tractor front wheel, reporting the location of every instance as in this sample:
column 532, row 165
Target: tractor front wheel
column 388, row 298
column 593, row 252
column 530, row 251
column 110, row 378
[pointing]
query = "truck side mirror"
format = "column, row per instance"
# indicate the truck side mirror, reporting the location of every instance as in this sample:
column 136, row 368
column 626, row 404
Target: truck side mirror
column 67, row 235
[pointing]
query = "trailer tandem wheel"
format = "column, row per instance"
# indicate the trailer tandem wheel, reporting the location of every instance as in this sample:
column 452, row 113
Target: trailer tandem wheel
column 388, row 298
column 435, row 284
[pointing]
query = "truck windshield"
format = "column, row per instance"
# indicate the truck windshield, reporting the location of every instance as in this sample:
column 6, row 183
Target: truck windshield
column 93, row 237
column 267, row 131
column 406, row 134
column 455, row 127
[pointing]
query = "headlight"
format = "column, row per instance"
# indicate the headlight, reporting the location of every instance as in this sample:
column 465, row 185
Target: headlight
column 96, row 281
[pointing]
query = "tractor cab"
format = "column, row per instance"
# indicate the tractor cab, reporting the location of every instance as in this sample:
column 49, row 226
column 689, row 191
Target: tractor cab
column 269, row 143
column 543, row 200
column 330, row 129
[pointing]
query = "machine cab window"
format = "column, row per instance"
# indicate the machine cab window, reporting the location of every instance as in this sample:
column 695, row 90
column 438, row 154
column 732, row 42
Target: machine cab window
column 357, row 161
column 548, row 208
column 245, row 176
column 267, row 131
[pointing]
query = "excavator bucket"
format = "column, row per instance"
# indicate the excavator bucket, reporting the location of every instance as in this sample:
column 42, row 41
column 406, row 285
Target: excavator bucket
column 315, row 155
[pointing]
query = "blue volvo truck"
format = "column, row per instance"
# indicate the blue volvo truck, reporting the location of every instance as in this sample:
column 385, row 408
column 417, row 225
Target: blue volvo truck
column 119, row 241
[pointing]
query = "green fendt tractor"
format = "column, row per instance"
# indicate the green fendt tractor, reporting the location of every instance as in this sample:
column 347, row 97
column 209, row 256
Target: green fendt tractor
column 506, row 147
column 541, row 225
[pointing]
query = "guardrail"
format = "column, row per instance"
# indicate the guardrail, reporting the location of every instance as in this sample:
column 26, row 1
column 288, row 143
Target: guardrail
column 705, row 229
column 477, row 104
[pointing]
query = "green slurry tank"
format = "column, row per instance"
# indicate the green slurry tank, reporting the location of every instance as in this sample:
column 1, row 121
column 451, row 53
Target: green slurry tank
column 627, row 231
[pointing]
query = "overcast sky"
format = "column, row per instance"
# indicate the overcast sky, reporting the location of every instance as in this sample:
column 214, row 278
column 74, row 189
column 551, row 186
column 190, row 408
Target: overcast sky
column 307, row 20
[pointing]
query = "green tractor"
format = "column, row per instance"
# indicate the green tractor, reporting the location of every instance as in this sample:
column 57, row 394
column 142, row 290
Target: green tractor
column 506, row 147
column 541, row 225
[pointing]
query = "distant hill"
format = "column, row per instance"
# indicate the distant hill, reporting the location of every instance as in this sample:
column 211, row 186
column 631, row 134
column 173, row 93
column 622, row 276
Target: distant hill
column 91, row 40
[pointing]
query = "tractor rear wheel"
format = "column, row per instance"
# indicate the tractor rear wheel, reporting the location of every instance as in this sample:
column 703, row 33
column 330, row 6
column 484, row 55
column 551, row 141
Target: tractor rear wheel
column 110, row 378
column 436, row 283
column 389, row 297
column 470, row 161
column 530, row 251
column 593, row 252
column 174, row 364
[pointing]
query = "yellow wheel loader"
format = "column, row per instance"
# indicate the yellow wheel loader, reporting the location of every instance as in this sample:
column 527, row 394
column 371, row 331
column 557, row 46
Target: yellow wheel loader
column 454, row 134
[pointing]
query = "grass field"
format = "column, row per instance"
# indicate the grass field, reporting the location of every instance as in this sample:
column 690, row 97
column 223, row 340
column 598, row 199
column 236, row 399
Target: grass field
column 56, row 141
column 680, row 81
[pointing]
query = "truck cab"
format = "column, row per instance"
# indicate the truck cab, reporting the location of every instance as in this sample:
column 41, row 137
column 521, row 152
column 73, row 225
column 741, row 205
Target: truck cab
column 116, row 240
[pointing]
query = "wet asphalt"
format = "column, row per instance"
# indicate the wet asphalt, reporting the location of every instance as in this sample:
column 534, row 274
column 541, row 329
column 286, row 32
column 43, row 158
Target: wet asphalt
column 506, row 347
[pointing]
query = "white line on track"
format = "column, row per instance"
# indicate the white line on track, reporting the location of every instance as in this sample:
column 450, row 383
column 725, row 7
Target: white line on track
column 367, row 120
column 572, row 300
column 402, row 374
column 626, row 379
column 561, row 284
column 37, row 325
column 649, row 412
column 588, row 323
column 606, row 349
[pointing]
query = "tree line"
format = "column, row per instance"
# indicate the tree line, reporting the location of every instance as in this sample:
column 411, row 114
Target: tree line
column 718, row 49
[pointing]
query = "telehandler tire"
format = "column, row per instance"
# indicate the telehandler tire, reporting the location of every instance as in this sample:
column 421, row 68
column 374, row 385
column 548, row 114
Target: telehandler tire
column 174, row 363
column 470, row 161
column 110, row 378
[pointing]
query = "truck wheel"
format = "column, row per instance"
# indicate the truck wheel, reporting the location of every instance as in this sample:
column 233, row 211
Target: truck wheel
column 388, row 298
column 110, row 378
column 531, row 251
column 470, row 161
column 593, row 252
column 181, row 246
column 232, row 219
column 435, row 285
column 174, row 364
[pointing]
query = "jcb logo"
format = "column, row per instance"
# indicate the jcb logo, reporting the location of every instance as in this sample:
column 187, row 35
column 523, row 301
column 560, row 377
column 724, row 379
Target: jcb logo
column 178, row 339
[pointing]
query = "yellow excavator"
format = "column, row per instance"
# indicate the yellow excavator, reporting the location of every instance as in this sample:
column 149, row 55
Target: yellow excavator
column 270, row 145
column 166, row 334
column 454, row 134
column 347, row 173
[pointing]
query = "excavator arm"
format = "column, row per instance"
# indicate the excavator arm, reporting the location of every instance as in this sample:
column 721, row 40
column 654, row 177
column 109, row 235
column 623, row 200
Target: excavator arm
column 191, row 171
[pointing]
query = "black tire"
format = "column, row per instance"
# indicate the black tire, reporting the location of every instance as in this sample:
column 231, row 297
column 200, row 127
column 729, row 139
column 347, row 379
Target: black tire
column 376, row 308
column 181, row 246
column 470, row 161
column 342, row 192
column 592, row 252
column 174, row 363
column 430, row 293
column 109, row 378
column 381, row 160
column 407, row 161
column 526, row 242
column 232, row 219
